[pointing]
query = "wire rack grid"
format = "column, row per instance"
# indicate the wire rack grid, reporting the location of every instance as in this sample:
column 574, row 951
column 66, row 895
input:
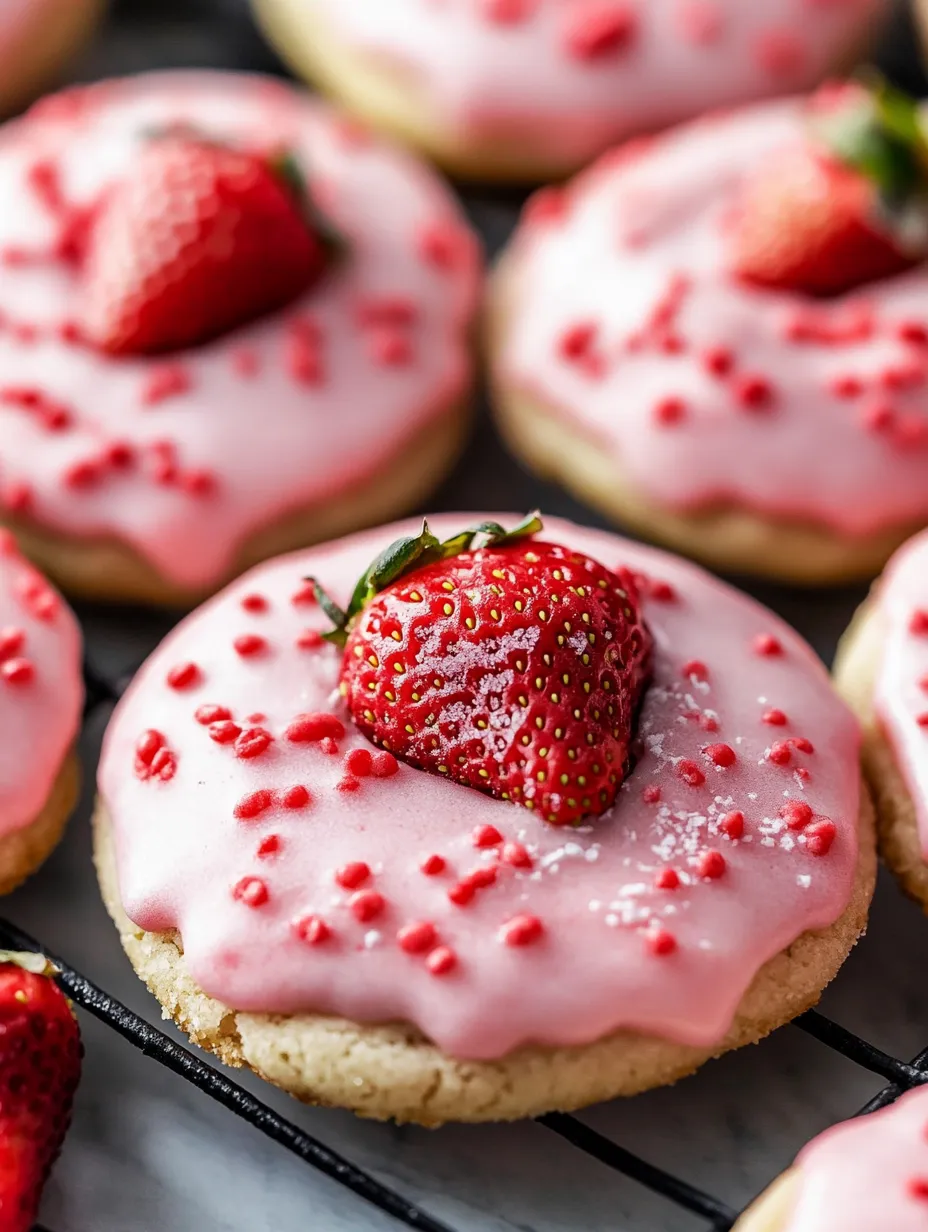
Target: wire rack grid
column 710, row 1212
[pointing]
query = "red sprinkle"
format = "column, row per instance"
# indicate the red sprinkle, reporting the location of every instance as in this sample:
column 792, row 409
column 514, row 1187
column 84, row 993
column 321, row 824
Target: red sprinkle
column 711, row 865
column 312, row 929
column 17, row 671
column 660, row 942
column 780, row 753
column 384, row 765
column 308, row 728
column 296, row 797
column 718, row 361
column 521, row 930
column 183, row 676
column 253, row 805
column 248, row 644
column 251, row 891
column 462, row 893
column 696, row 670
column 515, row 855
column 486, row 836
column 255, row 603
column 721, row 754
column 576, row 340
column 348, row 784
column 366, row 905
column 797, row 814
column 253, row 742
column 305, row 596
column 328, row 746
column 224, row 732
column 753, row 392
column 417, row 937
column 359, row 762
column 651, row 794
column 732, row 824
column 775, row 718
column 690, row 773
column 441, row 961
column 268, row 846
column 766, row 644
column 350, row 876
column 917, row 1188
column 919, row 622
column 801, row 744
column 433, row 865
column 596, row 28
column 310, row 639
column 12, row 641
column 667, row 879
column 212, row 714
column 820, row 836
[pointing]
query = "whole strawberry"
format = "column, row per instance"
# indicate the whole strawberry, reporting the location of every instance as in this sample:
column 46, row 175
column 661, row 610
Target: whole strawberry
column 508, row 664
column 197, row 239
column 40, row 1065
column 845, row 206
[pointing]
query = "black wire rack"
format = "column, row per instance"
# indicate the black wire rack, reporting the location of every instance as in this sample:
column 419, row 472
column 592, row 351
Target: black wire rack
column 716, row 1214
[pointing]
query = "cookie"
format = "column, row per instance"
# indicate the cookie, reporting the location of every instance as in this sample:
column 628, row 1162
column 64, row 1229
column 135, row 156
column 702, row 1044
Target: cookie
column 372, row 934
column 165, row 425
column 643, row 355
column 41, row 695
column 534, row 89
column 37, row 39
column 882, row 670
column 863, row 1176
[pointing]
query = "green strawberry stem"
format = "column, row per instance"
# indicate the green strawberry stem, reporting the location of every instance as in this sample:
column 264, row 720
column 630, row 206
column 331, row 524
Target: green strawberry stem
column 286, row 167
column 880, row 134
column 413, row 552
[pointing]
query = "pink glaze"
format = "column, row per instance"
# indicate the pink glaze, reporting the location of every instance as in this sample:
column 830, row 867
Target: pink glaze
column 706, row 390
column 41, row 687
column 568, row 77
column 656, row 917
column 868, row 1175
column 184, row 456
column 901, row 698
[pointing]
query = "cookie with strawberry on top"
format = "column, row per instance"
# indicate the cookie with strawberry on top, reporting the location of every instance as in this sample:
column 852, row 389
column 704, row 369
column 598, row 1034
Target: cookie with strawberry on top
column 231, row 323
column 41, row 699
column 719, row 337
column 533, row 89
column 477, row 818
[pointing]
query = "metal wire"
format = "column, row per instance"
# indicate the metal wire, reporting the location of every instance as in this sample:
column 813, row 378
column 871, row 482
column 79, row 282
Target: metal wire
column 900, row 1076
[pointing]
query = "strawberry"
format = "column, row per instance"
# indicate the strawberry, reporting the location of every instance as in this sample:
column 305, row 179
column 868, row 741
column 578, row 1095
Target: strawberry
column 510, row 665
column 40, row 1065
column 198, row 239
column 845, row 206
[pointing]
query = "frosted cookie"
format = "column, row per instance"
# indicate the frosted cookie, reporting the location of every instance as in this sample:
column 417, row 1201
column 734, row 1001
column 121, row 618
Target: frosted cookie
column 545, row 818
column 719, row 337
column 867, row 1175
column 533, row 89
column 882, row 670
column 37, row 39
column 229, row 324
column 41, row 694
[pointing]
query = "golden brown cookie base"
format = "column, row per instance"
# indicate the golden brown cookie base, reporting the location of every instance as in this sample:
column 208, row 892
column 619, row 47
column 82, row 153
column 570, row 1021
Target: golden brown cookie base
column 387, row 99
column 856, row 669
column 104, row 569
column 392, row 1071
column 31, row 64
column 23, row 851
column 727, row 538
column 773, row 1208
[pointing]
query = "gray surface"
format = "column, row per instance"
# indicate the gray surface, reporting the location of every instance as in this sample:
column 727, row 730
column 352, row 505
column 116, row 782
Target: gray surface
column 148, row 1153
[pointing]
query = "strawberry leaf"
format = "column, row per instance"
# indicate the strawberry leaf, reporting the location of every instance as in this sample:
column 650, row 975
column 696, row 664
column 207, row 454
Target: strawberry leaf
column 412, row 552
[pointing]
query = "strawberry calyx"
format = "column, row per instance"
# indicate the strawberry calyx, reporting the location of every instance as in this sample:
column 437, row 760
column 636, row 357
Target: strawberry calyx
column 285, row 166
column 412, row 552
column 876, row 130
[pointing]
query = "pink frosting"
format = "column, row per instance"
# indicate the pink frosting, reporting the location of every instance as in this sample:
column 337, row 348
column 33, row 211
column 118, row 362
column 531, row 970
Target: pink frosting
column 41, row 687
column 868, row 1175
column 704, row 389
column 656, row 917
column 183, row 457
column 572, row 76
column 901, row 698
